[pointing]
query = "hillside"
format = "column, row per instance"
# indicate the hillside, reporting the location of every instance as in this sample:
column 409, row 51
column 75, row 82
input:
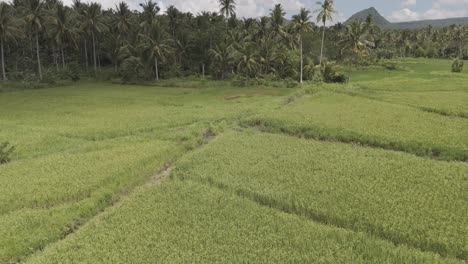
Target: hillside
column 438, row 23
column 376, row 16
column 384, row 23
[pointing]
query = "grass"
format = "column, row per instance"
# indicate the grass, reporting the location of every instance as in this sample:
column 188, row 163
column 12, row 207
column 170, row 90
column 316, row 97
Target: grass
column 393, row 196
column 79, row 148
column 221, row 228
column 80, row 187
column 344, row 118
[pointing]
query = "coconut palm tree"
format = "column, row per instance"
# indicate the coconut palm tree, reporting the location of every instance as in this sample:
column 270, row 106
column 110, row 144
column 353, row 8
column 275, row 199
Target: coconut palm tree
column 356, row 41
column 122, row 20
column 459, row 34
column 277, row 20
column 301, row 24
column 94, row 23
column 222, row 58
column 227, row 7
column 269, row 54
column 10, row 29
column 62, row 30
column 173, row 15
column 35, row 18
column 156, row 47
column 325, row 13
column 148, row 16
column 248, row 59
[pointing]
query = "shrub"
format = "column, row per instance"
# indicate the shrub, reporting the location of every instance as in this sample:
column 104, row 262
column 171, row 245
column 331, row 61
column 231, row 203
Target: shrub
column 385, row 54
column 457, row 65
column 5, row 152
column 331, row 73
column 291, row 84
column 240, row 81
column 390, row 66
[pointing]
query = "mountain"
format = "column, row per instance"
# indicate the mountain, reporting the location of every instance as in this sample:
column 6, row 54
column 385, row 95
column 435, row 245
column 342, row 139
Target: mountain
column 378, row 19
column 385, row 24
column 437, row 23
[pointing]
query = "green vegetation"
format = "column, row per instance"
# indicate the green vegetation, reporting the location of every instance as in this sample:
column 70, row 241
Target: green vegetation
column 5, row 152
column 206, row 225
column 238, row 193
column 80, row 148
column 393, row 196
column 457, row 65
column 336, row 117
column 50, row 42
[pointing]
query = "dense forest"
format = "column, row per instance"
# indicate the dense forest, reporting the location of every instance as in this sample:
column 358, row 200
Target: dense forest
column 44, row 39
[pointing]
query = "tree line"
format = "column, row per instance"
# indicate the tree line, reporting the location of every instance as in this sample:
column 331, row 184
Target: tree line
column 39, row 38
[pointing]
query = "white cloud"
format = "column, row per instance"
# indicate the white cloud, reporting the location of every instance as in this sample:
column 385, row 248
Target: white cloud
column 133, row 4
column 452, row 2
column 244, row 8
column 440, row 9
column 404, row 14
column 407, row 3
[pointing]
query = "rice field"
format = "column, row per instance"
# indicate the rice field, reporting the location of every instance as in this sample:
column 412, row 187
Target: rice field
column 198, row 171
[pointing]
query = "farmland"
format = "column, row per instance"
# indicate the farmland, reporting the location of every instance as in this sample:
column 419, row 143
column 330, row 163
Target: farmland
column 373, row 171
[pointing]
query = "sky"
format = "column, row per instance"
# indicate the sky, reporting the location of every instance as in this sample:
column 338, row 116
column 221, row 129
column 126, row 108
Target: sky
column 393, row 10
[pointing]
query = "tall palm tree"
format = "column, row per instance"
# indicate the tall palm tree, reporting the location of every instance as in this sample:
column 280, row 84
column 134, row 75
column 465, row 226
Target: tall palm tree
column 10, row 29
column 94, row 23
column 227, row 7
column 248, row 59
column 325, row 13
column 35, row 17
column 122, row 20
column 356, row 41
column 459, row 34
column 301, row 25
column 277, row 20
column 62, row 30
column 222, row 58
column 148, row 16
column 269, row 54
column 156, row 47
column 173, row 15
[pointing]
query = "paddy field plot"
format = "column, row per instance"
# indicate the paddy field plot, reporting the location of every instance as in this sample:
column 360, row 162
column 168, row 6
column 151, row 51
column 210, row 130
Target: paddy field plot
column 374, row 171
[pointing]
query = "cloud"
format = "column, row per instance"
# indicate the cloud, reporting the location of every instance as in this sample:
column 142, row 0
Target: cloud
column 440, row 9
column 452, row 2
column 404, row 14
column 407, row 3
column 244, row 8
column 133, row 4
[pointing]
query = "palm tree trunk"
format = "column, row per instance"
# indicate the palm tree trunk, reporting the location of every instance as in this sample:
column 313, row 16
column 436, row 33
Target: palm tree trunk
column 94, row 52
column 323, row 41
column 86, row 53
column 63, row 57
column 54, row 54
column 3, row 62
column 461, row 49
column 302, row 62
column 38, row 56
column 156, row 69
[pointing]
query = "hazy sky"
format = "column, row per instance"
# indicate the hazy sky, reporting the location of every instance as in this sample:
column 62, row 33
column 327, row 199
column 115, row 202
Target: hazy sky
column 393, row 10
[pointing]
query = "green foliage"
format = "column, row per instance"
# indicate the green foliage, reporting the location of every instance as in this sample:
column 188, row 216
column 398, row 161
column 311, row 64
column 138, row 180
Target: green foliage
column 197, row 223
column 331, row 73
column 6, row 150
column 390, row 66
column 346, row 196
column 457, row 65
column 381, row 193
column 324, row 115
